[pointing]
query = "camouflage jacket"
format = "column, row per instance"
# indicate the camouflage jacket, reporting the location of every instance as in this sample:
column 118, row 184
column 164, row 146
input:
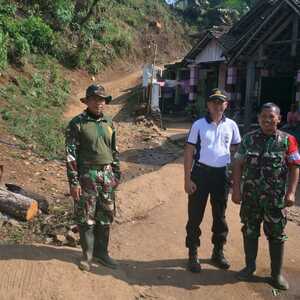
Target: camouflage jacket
column 266, row 160
column 90, row 143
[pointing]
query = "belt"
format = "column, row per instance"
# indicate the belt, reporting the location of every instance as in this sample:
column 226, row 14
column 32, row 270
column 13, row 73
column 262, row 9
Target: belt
column 203, row 166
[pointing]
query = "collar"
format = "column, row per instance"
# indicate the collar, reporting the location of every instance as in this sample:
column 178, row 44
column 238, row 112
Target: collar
column 209, row 119
column 275, row 134
column 91, row 117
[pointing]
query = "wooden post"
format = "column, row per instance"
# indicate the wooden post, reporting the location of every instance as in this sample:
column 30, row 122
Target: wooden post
column 295, row 35
column 298, row 88
column 193, row 82
column 250, row 80
column 177, row 88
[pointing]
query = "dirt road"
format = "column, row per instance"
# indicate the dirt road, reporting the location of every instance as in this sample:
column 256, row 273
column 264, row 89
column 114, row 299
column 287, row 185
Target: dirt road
column 150, row 249
column 152, row 257
column 117, row 87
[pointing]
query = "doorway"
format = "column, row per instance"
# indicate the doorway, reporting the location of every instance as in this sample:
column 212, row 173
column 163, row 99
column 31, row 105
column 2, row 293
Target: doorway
column 279, row 90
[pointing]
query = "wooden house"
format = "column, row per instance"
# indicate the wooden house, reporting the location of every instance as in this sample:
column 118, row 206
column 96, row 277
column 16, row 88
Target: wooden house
column 255, row 61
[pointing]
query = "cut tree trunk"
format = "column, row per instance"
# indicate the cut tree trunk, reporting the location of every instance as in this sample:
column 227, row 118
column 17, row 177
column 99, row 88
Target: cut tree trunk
column 41, row 200
column 17, row 206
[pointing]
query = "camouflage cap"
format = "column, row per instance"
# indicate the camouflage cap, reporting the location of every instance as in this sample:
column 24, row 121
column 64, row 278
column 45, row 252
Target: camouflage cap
column 96, row 90
column 217, row 95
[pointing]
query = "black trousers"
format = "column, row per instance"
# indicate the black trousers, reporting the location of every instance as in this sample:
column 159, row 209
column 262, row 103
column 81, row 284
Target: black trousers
column 214, row 182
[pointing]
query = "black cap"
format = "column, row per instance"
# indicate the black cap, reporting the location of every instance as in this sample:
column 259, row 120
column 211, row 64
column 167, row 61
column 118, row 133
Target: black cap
column 96, row 90
column 217, row 95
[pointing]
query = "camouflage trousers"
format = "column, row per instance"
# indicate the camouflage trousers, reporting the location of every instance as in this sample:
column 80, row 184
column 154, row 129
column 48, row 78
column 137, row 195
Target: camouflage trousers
column 256, row 211
column 97, row 202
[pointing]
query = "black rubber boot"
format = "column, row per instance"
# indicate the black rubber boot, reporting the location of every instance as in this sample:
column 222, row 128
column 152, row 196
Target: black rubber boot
column 218, row 258
column 194, row 263
column 86, row 234
column 276, row 254
column 250, row 248
column 101, row 246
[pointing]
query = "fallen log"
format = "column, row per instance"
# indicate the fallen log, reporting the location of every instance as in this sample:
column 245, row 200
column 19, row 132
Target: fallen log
column 17, row 206
column 41, row 200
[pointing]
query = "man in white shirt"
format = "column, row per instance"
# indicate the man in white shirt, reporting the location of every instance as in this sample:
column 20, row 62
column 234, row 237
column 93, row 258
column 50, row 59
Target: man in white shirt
column 206, row 157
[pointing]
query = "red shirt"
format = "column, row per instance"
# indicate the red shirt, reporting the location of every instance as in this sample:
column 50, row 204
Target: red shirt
column 293, row 155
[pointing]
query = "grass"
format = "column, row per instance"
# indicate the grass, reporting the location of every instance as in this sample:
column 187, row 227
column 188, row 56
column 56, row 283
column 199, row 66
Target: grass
column 34, row 111
column 40, row 33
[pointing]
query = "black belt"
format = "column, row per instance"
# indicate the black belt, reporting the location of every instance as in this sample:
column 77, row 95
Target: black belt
column 203, row 166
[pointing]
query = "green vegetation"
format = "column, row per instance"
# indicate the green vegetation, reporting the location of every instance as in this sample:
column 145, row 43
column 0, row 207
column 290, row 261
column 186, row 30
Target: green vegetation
column 3, row 50
column 83, row 34
column 34, row 109
column 86, row 34
column 208, row 13
column 22, row 35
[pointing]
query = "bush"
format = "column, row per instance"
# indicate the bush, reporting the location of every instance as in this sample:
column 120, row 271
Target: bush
column 9, row 25
column 122, row 42
column 34, row 111
column 112, row 34
column 96, row 60
column 3, row 50
column 38, row 34
column 18, row 50
column 22, row 47
column 31, row 33
column 7, row 9
column 63, row 12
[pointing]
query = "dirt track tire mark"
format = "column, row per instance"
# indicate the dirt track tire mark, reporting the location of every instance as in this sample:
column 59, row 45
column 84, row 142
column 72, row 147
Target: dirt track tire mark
column 22, row 278
column 39, row 272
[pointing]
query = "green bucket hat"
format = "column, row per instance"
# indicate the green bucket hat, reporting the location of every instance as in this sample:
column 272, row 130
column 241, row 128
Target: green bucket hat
column 96, row 90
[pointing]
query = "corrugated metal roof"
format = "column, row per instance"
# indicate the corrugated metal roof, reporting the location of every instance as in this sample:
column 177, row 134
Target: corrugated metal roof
column 233, row 38
column 246, row 29
column 297, row 2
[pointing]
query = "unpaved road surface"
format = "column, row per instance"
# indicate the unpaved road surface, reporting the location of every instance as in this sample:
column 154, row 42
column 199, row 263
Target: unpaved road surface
column 117, row 87
column 150, row 246
column 152, row 257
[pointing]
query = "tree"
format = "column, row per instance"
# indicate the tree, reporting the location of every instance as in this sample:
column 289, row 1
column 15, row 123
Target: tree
column 208, row 13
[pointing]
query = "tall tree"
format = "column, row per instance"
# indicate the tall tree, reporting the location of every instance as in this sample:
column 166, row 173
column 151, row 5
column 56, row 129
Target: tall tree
column 207, row 13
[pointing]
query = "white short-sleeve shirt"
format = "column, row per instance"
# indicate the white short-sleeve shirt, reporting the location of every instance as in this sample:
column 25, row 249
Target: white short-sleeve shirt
column 213, row 141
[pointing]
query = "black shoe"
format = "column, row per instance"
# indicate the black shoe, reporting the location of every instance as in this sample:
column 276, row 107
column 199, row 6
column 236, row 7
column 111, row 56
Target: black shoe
column 100, row 253
column 219, row 259
column 84, row 265
column 250, row 248
column 276, row 255
column 246, row 273
column 86, row 233
column 106, row 261
column 279, row 282
column 194, row 264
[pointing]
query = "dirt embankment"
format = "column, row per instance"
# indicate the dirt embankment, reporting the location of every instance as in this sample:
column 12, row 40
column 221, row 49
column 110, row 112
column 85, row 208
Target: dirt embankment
column 143, row 147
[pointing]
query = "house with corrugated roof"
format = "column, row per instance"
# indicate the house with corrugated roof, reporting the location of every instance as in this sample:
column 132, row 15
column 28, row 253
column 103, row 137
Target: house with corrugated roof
column 255, row 61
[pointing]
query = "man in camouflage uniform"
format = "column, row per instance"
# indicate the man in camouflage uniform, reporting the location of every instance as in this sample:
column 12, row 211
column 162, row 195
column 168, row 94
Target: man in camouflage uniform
column 267, row 163
column 93, row 173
